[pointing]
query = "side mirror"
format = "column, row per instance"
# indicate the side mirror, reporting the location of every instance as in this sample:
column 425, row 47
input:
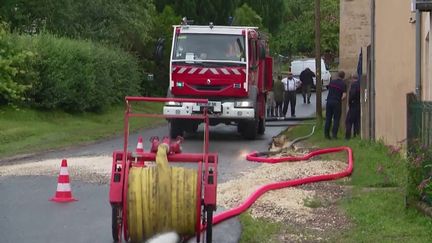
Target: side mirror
column 159, row 49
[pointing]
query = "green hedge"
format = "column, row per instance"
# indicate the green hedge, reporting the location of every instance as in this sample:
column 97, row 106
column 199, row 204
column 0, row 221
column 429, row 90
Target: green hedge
column 15, row 70
column 78, row 75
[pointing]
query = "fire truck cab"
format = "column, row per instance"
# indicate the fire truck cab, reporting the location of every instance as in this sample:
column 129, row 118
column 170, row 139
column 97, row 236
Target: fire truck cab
column 228, row 65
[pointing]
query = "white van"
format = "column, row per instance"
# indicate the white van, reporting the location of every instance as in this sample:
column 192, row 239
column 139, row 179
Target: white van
column 297, row 66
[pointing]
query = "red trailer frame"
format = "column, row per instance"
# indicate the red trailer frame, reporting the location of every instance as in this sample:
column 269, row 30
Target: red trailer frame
column 207, row 174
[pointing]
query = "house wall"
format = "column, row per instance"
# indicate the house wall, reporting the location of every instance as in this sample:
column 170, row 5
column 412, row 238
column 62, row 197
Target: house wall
column 394, row 67
column 355, row 33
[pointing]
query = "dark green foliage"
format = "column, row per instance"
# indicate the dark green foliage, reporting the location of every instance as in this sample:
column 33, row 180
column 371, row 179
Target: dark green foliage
column 163, row 29
column 79, row 75
column 202, row 11
column 123, row 23
column 246, row 16
column 218, row 11
column 272, row 13
column 297, row 35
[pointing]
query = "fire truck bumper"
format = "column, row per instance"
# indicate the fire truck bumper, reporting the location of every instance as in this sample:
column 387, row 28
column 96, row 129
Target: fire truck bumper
column 217, row 109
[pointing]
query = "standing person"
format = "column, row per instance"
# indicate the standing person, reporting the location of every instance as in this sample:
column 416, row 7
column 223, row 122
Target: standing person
column 278, row 93
column 353, row 116
column 291, row 84
column 336, row 93
column 306, row 77
column 270, row 104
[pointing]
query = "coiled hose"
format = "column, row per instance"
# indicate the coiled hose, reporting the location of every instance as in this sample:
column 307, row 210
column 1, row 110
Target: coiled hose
column 161, row 199
column 255, row 157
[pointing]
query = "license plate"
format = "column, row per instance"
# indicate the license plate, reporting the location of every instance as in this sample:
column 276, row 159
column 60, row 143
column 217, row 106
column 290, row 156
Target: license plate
column 215, row 106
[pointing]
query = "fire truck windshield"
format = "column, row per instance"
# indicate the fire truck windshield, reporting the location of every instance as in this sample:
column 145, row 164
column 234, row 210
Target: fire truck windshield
column 209, row 47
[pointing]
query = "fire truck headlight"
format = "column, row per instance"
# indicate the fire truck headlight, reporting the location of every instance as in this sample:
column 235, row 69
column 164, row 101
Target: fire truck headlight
column 179, row 84
column 172, row 103
column 243, row 104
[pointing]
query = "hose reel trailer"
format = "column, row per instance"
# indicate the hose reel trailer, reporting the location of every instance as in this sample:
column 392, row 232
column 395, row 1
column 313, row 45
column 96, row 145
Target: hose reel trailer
column 149, row 196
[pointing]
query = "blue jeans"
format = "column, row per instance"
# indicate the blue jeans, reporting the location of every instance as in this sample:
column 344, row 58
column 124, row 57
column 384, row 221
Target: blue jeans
column 333, row 112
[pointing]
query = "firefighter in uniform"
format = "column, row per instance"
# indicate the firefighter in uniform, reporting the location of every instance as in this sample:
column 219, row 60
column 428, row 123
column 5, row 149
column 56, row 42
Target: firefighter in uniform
column 336, row 93
column 353, row 116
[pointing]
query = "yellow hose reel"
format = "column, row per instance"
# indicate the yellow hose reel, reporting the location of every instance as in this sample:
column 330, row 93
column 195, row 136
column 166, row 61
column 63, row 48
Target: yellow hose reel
column 161, row 198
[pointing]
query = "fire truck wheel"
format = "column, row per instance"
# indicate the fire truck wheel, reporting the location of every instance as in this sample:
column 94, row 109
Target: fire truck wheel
column 195, row 127
column 175, row 129
column 192, row 128
column 261, row 126
column 249, row 129
column 240, row 128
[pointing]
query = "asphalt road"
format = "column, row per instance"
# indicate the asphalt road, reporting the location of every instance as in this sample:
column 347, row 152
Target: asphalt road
column 26, row 215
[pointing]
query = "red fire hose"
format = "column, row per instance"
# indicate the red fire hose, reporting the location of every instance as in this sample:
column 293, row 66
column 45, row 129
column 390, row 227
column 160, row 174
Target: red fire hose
column 255, row 156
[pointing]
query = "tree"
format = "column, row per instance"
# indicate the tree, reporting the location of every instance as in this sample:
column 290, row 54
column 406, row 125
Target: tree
column 163, row 30
column 272, row 12
column 122, row 23
column 201, row 11
column 246, row 16
column 297, row 35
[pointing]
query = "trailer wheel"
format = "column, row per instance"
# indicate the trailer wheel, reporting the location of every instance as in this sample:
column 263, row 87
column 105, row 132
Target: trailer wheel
column 249, row 129
column 175, row 129
column 261, row 126
column 116, row 222
column 209, row 227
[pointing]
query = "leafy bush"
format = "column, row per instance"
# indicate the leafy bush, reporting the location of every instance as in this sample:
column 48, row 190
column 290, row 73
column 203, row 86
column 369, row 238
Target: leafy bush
column 16, row 74
column 121, row 23
column 420, row 173
column 80, row 75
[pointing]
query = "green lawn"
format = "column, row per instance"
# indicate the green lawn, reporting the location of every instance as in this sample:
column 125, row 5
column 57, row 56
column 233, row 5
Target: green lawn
column 28, row 130
column 378, row 212
column 258, row 230
column 374, row 166
column 381, row 216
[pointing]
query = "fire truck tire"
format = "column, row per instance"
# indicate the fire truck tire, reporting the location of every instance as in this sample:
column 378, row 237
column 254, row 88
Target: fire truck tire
column 195, row 127
column 192, row 128
column 175, row 129
column 261, row 126
column 240, row 128
column 249, row 129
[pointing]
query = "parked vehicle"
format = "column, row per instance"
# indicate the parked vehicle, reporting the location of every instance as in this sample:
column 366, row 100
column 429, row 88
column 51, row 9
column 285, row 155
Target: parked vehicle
column 297, row 66
column 230, row 66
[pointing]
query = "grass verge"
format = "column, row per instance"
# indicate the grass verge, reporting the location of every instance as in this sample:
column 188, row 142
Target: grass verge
column 381, row 216
column 378, row 214
column 28, row 130
column 374, row 164
column 376, row 205
column 258, row 230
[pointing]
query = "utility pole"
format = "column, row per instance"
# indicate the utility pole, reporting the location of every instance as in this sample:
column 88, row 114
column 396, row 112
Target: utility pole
column 318, row 61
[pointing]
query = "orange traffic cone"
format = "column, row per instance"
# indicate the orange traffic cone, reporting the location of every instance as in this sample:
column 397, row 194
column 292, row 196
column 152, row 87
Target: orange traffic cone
column 140, row 146
column 64, row 192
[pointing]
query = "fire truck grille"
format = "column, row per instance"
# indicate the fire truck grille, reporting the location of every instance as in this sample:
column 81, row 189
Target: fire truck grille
column 209, row 87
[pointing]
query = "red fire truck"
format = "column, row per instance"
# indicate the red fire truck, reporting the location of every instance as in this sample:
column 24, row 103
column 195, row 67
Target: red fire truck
column 228, row 65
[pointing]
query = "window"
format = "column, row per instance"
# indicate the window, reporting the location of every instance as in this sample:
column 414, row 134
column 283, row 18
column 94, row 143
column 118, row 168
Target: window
column 190, row 47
